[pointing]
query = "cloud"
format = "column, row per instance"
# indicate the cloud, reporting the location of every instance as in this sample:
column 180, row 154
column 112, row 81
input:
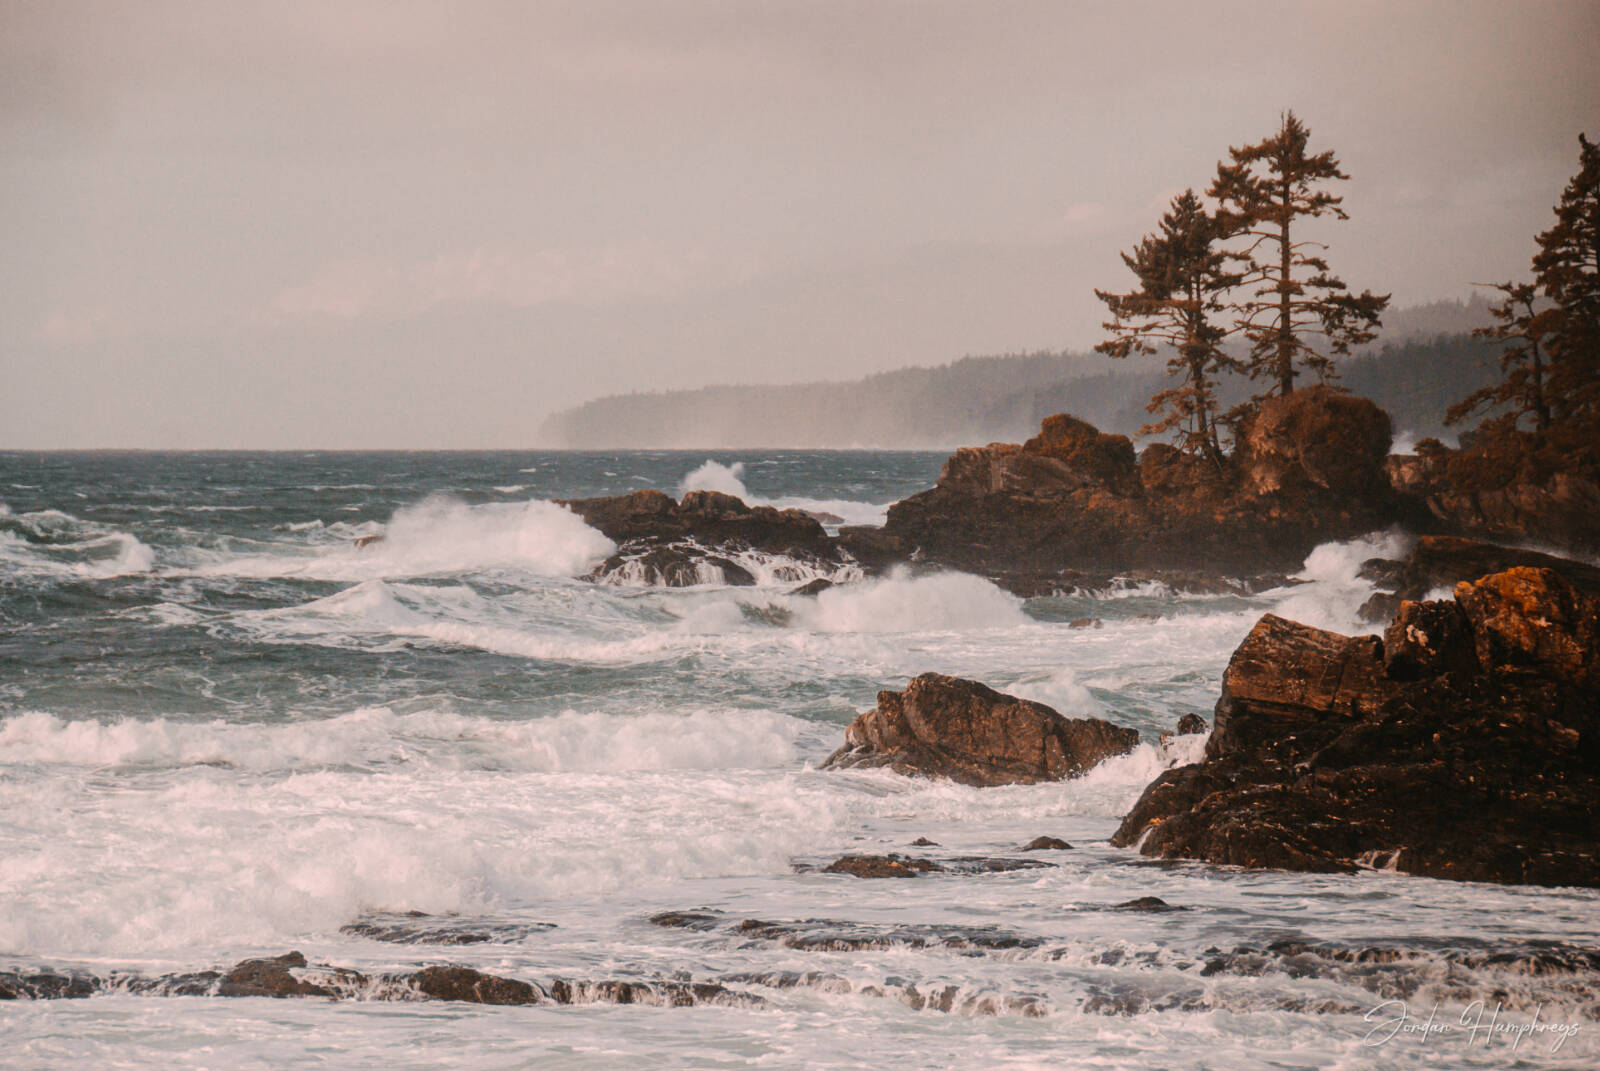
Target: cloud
column 355, row 288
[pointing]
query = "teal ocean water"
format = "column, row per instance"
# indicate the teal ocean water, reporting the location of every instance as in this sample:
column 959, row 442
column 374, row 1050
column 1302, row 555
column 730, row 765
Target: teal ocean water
column 227, row 731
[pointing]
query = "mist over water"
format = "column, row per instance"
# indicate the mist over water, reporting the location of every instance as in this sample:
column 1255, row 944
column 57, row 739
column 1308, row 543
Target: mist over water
column 226, row 731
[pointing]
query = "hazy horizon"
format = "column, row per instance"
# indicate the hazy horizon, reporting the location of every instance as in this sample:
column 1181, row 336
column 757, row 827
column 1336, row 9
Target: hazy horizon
column 356, row 226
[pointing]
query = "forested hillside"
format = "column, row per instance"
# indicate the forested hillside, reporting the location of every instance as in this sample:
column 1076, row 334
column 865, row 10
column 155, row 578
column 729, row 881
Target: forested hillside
column 1415, row 376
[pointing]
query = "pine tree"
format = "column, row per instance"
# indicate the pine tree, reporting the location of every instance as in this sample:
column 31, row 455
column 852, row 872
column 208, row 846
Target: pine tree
column 1299, row 315
column 1183, row 278
column 1567, row 272
column 1522, row 362
column 1551, row 367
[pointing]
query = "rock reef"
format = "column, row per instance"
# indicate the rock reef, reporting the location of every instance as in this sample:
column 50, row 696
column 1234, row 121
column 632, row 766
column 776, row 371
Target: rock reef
column 1463, row 744
column 1308, row 469
column 948, row 727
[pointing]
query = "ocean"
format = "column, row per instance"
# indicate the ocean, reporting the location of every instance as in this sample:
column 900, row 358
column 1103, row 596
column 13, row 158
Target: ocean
column 226, row 732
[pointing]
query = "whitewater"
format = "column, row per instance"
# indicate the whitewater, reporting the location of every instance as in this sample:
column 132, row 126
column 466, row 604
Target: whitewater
column 227, row 731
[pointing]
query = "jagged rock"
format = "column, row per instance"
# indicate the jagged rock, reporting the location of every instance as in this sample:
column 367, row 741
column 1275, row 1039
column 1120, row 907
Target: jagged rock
column 947, row 727
column 881, row 866
column 813, row 587
column 1191, row 724
column 1086, row 622
column 1464, row 745
column 924, row 842
column 707, row 517
column 1045, row 844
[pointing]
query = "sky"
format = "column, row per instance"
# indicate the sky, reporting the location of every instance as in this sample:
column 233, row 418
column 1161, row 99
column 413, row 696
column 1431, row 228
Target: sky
column 411, row 225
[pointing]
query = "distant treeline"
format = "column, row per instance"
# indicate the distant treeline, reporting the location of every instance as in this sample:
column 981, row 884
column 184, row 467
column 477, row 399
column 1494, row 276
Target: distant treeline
column 988, row 399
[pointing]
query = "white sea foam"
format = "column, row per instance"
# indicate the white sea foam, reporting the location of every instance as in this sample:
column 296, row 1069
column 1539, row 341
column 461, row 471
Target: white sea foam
column 442, row 535
column 376, row 736
column 52, row 543
column 1335, row 592
column 901, row 602
column 729, row 479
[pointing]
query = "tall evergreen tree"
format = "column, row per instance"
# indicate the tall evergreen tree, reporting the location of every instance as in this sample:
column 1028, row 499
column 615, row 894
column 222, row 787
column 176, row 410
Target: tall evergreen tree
column 1183, row 277
column 1567, row 271
column 1522, row 363
column 1551, row 368
column 1299, row 314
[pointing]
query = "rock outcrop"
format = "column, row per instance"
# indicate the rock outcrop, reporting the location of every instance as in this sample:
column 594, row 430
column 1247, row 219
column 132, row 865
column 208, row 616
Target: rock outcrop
column 671, row 543
column 1464, row 744
column 1511, row 486
column 1441, row 562
column 948, row 727
column 1309, row 469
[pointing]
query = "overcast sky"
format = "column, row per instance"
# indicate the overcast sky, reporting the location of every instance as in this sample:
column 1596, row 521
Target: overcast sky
column 428, row 225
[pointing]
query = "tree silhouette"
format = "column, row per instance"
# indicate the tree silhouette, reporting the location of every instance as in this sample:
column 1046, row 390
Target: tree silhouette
column 1551, row 369
column 1183, row 278
column 1299, row 314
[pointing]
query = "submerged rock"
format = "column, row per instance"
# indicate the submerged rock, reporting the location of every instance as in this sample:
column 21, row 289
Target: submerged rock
column 881, row 866
column 948, row 727
column 1465, row 744
column 1045, row 844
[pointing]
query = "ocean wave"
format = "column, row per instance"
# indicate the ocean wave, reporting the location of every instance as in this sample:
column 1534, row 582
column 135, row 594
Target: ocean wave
column 52, row 543
column 900, row 602
column 376, row 737
column 440, row 536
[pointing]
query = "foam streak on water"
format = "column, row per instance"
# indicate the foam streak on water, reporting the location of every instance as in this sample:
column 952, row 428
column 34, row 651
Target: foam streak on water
column 228, row 731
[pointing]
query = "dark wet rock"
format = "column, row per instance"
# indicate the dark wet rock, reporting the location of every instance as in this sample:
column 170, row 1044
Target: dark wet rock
column 834, row 935
column 1086, row 622
column 1191, row 724
column 881, row 866
column 948, row 727
column 983, row 864
column 659, row 994
column 1463, row 745
column 269, row 978
column 47, row 985
column 367, row 540
column 1153, row 905
column 686, row 920
column 709, row 518
column 1514, row 488
column 924, row 842
column 1309, row 469
column 419, row 928
column 822, row 516
column 674, row 565
column 813, row 587
column 468, row 986
column 1439, row 563
column 1045, row 844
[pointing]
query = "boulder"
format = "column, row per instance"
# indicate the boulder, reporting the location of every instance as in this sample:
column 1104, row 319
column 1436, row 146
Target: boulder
column 269, row 978
column 1316, row 437
column 1464, row 744
column 881, row 866
column 1045, row 844
column 948, row 727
